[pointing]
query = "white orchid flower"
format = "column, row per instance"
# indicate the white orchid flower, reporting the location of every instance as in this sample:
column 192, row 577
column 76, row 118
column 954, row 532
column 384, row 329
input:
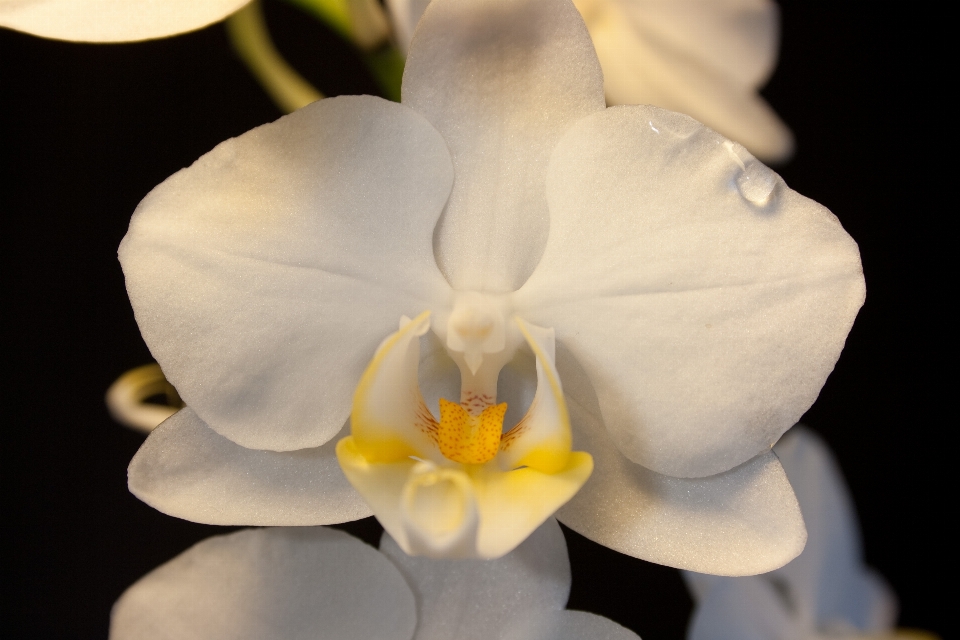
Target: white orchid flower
column 112, row 20
column 308, row 583
column 826, row 592
column 622, row 278
column 704, row 58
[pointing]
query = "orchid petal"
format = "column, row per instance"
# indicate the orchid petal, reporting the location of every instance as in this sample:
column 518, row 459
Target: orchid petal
column 404, row 15
column 744, row 609
column 501, row 80
column 187, row 470
column 638, row 71
column 390, row 420
column 738, row 38
column 478, row 599
column 112, row 20
column 264, row 276
column 740, row 522
column 567, row 625
column 829, row 581
column 711, row 302
column 270, row 583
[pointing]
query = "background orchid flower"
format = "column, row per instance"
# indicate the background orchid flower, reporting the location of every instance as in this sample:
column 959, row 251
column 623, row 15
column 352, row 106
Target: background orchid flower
column 693, row 302
column 705, row 58
column 826, row 592
column 112, row 20
column 322, row 583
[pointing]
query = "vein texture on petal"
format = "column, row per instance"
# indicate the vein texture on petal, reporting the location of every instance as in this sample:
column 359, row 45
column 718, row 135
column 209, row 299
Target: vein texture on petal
column 501, row 80
column 264, row 276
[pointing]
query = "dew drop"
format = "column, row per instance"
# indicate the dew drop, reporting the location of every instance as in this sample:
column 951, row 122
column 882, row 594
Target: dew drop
column 757, row 183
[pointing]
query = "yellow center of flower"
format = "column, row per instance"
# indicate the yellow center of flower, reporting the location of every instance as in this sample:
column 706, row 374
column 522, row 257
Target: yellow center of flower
column 470, row 439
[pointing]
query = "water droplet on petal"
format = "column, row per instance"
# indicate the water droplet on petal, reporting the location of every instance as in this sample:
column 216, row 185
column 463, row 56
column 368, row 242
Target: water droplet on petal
column 678, row 124
column 757, row 183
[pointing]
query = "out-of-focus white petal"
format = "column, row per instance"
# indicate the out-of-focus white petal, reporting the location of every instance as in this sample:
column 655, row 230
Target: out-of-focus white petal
column 501, row 80
column 637, row 71
column 706, row 300
column 264, row 276
column 700, row 584
column 112, row 20
column 187, row 470
column 829, row 581
column 404, row 16
column 294, row 584
column 567, row 625
column 826, row 591
column 479, row 599
column 743, row 609
column 737, row 38
column 740, row 522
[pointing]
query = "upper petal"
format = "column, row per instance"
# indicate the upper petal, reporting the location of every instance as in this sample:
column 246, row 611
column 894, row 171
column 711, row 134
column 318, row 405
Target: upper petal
column 501, row 80
column 706, row 300
column 264, row 276
column 479, row 599
column 187, row 470
column 269, row 583
column 112, row 20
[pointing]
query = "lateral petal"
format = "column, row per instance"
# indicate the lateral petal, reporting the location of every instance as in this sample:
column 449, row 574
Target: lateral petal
column 501, row 80
column 269, row 583
column 110, row 20
column 264, row 276
column 187, row 470
column 706, row 300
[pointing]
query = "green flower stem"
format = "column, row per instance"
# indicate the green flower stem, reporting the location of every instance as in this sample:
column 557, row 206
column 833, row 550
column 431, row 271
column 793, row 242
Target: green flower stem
column 364, row 24
column 334, row 13
column 386, row 67
column 361, row 22
column 251, row 40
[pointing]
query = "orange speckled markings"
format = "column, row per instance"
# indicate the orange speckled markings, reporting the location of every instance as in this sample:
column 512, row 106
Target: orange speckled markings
column 469, row 439
column 426, row 422
column 475, row 402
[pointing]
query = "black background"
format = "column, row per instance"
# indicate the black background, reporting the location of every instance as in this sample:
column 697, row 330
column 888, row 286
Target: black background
column 88, row 130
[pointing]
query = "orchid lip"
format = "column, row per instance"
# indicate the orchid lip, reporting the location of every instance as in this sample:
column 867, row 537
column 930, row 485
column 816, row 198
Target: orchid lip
column 444, row 487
